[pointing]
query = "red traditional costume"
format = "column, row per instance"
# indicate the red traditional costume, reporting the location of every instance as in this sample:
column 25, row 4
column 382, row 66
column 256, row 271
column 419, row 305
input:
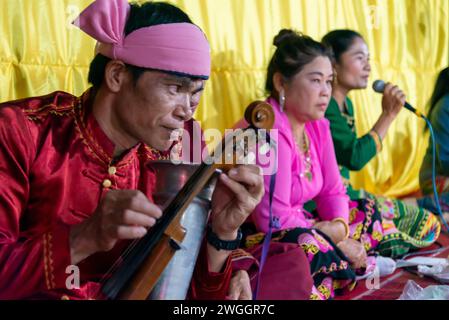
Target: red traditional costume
column 56, row 164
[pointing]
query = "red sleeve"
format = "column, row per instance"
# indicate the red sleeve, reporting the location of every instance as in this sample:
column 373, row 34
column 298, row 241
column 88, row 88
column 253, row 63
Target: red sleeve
column 31, row 261
column 208, row 285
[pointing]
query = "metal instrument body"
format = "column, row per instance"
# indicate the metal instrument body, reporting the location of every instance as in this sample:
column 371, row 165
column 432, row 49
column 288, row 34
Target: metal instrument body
column 174, row 282
column 147, row 259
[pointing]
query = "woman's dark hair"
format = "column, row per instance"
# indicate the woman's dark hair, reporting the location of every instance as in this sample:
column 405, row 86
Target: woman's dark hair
column 145, row 15
column 340, row 41
column 441, row 89
column 294, row 51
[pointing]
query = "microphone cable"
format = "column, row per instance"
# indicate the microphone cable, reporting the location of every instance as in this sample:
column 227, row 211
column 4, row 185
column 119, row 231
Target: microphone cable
column 379, row 87
column 435, row 192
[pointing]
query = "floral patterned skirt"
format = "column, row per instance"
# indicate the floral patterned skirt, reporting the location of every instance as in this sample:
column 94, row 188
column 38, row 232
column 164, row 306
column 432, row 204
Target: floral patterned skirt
column 330, row 268
column 405, row 227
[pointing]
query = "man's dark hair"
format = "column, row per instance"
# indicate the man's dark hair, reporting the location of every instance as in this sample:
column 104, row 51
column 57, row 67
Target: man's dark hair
column 294, row 51
column 145, row 15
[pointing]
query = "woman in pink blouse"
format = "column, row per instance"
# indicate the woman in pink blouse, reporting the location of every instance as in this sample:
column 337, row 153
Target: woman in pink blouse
column 339, row 237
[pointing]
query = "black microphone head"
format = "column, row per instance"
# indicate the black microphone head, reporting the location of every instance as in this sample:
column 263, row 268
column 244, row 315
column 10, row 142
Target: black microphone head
column 379, row 86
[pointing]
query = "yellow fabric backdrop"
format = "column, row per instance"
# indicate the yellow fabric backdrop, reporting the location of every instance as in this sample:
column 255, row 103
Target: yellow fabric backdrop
column 409, row 40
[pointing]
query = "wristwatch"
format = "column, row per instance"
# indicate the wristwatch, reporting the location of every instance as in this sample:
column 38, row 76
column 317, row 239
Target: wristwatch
column 219, row 244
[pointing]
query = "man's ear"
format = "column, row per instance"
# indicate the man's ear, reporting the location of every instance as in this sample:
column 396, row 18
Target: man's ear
column 115, row 75
column 278, row 82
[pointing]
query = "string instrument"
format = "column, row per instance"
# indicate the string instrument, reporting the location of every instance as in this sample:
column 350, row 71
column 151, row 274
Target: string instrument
column 145, row 259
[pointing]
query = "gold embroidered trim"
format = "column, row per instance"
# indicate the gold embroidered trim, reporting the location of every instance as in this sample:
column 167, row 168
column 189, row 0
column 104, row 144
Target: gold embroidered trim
column 81, row 128
column 48, row 261
column 47, row 278
column 51, row 105
column 86, row 143
column 333, row 267
column 38, row 114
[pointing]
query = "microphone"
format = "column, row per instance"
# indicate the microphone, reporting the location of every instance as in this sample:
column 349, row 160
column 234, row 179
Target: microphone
column 379, row 87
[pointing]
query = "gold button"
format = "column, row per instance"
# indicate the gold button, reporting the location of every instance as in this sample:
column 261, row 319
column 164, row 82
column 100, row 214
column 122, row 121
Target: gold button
column 107, row 183
column 64, row 297
column 112, row 170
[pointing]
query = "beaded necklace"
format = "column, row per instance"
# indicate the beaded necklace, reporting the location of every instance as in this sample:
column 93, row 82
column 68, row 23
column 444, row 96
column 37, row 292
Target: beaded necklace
column 307, row 160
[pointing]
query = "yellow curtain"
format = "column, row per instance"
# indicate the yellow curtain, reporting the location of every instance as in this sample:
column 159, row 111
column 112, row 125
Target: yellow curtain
column 41, row 52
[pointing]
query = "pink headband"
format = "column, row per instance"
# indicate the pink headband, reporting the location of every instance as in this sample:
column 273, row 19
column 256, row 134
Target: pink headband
column 176, row 47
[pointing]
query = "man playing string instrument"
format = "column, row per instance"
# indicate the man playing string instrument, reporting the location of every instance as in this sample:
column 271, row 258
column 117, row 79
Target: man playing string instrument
column 74, row 185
